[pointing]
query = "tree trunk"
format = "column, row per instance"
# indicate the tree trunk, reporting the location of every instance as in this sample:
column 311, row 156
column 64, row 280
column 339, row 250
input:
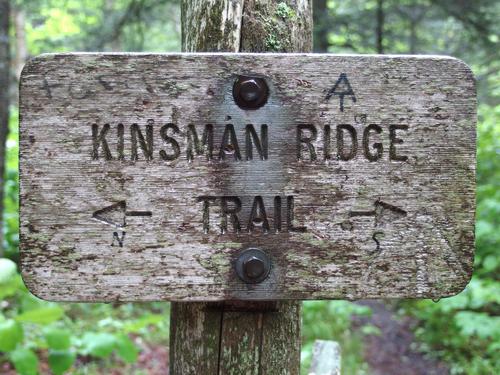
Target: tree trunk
column 114, row 43
column 246, row 26
column 21, row 55
column 413, row 37
column 321, row 23
column 240, row 337
column 4, row 98
column 380, row 26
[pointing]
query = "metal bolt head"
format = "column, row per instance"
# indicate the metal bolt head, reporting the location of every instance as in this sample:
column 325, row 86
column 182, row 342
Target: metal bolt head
column 250, row 92
column 253, row 266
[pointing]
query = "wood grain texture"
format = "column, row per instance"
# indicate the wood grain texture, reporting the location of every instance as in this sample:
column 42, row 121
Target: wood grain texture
column 234, row 338
column 400, row 226
column 195, row 335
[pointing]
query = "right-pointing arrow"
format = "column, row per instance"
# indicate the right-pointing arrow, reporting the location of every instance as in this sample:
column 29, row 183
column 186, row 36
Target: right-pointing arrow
column 383, row 212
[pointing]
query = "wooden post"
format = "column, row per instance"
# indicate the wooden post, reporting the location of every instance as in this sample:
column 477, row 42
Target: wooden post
column 240, row 337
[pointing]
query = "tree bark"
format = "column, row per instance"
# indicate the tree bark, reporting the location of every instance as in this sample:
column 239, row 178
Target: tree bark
column 240, row 337
column 276, row 26
column 246, row 26
column 4, row 98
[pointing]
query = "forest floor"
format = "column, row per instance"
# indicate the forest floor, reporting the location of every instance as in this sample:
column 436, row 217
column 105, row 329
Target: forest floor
column 393, row 352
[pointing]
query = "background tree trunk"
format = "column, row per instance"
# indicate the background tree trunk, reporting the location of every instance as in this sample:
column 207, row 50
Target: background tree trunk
column 21, row 50
column 321, row 23
column 380, row 26
column 240, row 337
column 4, row 98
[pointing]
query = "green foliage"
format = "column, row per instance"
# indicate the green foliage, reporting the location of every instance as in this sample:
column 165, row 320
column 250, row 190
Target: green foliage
column 126, row 349
column 101, row 25
column 98, row 344
column 103, row 344
column 57, row 338
column 61, row 361
column 11, row 193
column 488, row 191
column 42, row 315
column 332, row 320
column 25, row 361
column 11, row 333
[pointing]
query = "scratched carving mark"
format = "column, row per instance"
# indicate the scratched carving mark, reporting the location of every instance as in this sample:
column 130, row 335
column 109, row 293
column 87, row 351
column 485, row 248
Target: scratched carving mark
column 377, row 236
column 119, row 239
column 342, row 88
column 48, row 87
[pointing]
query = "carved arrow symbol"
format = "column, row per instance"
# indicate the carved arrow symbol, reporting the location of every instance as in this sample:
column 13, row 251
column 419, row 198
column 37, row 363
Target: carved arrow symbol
column 382, row 212
column 116, row 213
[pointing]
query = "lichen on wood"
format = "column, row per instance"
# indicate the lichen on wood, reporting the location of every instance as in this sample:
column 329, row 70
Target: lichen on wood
column 276, row 26
column 247, row 26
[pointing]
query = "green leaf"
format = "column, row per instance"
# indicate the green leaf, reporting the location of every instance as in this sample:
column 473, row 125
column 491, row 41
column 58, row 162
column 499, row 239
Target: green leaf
column 98, row 344
column 57, row 338
column 43, row 315
column 11, row 287
column 370, row 329
column 11, row 334
column 25, row 361
column 61, row 361
column 480, row 324
column 8, row 270
column 142, row 322
column 126, row 349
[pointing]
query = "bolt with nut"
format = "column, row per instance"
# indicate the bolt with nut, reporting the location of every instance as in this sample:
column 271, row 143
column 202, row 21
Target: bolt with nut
column 253, row 266
column 250, row 92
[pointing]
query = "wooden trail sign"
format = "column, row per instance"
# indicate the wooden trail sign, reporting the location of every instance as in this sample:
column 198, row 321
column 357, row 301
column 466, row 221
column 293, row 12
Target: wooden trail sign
column 142, row 178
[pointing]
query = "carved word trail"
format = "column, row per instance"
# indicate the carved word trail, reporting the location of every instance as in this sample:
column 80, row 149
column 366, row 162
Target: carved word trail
column 250, row 214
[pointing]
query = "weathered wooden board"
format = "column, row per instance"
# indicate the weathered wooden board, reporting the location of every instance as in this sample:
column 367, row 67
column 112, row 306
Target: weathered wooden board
column 365, row 166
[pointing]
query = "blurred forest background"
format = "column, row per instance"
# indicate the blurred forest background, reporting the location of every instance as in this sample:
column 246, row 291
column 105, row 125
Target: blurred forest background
column 458, row 335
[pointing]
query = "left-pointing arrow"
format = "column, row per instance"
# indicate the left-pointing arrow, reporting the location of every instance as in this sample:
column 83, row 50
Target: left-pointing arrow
column 116, row 213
